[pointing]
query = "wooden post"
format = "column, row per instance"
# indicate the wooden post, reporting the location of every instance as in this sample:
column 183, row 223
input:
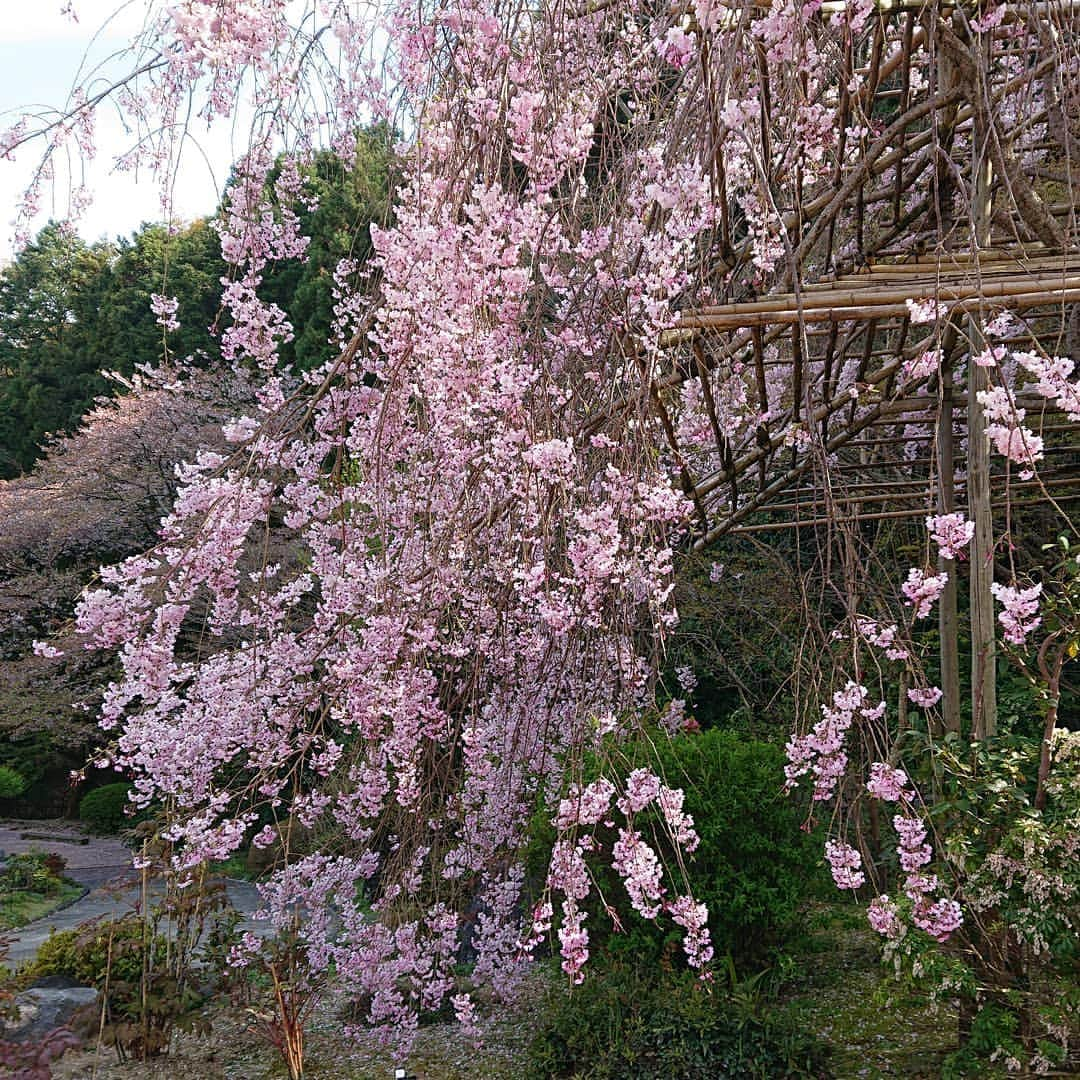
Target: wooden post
column 983, row 646
column 948, row 622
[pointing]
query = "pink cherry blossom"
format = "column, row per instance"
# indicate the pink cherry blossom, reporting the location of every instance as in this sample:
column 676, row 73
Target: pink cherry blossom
column 923, row 311
column 888, row 783
column 844, row 862
column 914, row 852
column 821, row 750
column 951, row 532
column 922, row 590
column 925, row 697
column 1019, row 617
column 884, row 917
column 940, row 919
column 165, row 308
column 693, row 917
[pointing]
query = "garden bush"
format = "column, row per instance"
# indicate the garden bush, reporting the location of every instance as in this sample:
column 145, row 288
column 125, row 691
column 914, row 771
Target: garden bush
column 632, row 1023
column 103, row 809
column 89, row 953
column 32, row 871
column 57, row 955
column 12, row 783
column 755, row 864
column 127, row 960
column 753, row 868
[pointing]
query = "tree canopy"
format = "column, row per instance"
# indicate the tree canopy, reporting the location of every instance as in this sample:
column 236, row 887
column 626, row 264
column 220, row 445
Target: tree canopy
column 69, row 310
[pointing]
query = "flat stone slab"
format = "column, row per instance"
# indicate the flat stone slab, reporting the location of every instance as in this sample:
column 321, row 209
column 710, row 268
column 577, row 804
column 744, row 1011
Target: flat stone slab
column 53, row 838
column 65, row 838
column 44, row 1008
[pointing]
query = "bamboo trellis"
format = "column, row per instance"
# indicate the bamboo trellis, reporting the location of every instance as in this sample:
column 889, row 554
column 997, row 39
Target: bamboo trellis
column 848, row 428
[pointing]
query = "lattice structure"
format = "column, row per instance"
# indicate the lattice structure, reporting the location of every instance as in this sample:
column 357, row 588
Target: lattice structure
column 954, row 200
column 880, row 426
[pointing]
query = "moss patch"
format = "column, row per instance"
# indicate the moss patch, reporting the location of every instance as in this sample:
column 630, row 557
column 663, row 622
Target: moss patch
column 843, row 994
column 22, row 907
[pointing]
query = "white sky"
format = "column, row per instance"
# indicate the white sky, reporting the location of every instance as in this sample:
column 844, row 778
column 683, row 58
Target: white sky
column 41, row 52
column 43, row 56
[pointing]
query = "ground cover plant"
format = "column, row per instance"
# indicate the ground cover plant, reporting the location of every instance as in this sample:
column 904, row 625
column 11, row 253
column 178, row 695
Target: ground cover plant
column 31, row 886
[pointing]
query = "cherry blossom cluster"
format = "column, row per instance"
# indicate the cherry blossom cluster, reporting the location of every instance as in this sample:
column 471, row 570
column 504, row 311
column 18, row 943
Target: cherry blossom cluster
column 844, row 863
column 951, row 532
column 634, row 859
column 821, row 751
column 888, row 783
column 924, row 311
column 1053, row 380
column 1006, row 429
column 939, row 917
column 165, row 308
column 883, row 637
column 925, row 697
column 922, row 590
column 1019, row 616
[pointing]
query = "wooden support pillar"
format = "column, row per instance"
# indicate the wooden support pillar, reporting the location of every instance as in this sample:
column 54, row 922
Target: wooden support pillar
column 983, row 646
column 948, row 622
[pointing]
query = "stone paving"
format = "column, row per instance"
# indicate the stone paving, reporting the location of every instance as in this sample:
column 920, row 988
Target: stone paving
column 91, row 860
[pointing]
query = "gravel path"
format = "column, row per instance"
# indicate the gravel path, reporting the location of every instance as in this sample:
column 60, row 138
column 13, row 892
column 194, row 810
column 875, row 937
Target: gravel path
column 91, row 860
column 110, row 902
column 103, row 866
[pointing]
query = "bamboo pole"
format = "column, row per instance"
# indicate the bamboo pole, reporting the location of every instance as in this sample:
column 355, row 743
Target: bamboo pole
column 983, row 638
column 922, row 496
column 948, row 619
column 883, row 515
column 988, row 287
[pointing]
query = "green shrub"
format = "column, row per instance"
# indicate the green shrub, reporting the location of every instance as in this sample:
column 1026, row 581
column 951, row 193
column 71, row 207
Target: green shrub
column 12, row 783
column 625, row 1023
column 755, row 864
column 127, row 960
column 57, row 955
column 32, row 871
column 89, row 952
column 103, row 809
column 753, row 868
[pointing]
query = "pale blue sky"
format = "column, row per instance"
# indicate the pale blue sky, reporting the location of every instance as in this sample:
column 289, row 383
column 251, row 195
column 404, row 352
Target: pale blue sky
column 40, row 54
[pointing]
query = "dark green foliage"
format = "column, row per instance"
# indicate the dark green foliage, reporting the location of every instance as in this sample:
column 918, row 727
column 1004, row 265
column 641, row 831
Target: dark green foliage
column 738, row 634
column 103, row 810
column 186, row 265
column 632, row 1023
column 46, row 380
column 755, row 865
column 339, row 228
column 29, row 756
column 69, row 310
column 753, row 868
column 12, row 783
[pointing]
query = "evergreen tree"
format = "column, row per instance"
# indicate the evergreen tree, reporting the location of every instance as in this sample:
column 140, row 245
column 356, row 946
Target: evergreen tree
column 69, row 310
column 339, row 228
column 47, row 377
